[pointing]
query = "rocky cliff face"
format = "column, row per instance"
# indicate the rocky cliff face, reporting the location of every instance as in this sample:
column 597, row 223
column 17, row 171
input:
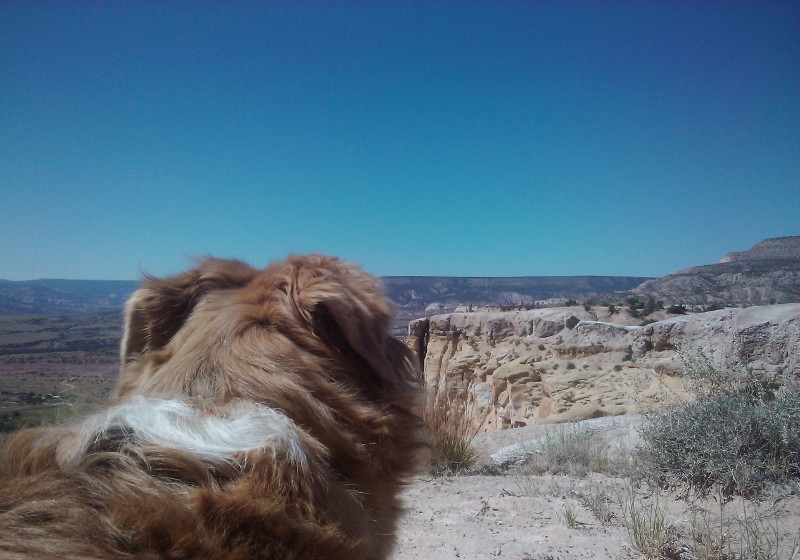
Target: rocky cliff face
column 527, row 367
column 777, row 248
column 767, row 273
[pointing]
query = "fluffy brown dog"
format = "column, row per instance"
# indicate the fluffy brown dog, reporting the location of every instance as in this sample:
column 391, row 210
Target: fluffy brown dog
column 258, row 414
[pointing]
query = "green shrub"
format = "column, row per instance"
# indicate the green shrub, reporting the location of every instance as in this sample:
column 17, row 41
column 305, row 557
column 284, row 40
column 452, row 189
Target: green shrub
column 10, row 422
column 634, row 305
column 676, row 310
column 628, row 357
column 571, row 322
column 735, row 438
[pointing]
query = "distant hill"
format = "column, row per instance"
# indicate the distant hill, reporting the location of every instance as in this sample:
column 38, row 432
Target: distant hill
column 63, row 297
column 412, row 294
column 418, row 292
column 769, row 272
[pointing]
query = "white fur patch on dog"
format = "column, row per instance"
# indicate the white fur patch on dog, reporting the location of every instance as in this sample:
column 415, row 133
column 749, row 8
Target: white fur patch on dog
column 176, row 424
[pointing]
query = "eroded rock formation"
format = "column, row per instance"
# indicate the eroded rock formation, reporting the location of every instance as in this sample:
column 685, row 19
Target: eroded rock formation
column 527, row 367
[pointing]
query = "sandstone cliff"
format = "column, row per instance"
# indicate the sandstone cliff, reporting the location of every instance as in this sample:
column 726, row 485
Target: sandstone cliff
column 527, row 367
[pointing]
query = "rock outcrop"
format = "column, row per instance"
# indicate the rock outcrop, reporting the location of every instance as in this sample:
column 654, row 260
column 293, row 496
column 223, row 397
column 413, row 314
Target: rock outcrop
column 767, row 273
column 528, row 367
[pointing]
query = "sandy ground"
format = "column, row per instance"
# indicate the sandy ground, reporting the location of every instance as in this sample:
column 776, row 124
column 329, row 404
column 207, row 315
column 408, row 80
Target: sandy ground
column 497, row 516
column 509, row 515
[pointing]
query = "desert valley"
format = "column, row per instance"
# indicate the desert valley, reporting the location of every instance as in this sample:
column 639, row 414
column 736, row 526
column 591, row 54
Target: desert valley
column 523, row 362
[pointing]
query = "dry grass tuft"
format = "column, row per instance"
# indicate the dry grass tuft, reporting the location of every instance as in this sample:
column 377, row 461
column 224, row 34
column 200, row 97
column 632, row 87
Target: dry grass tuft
column 451, row 435
column 574, row 451
column 647, row 526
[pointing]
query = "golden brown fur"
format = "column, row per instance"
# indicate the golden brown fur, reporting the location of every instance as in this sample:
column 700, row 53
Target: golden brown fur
column 307, row 338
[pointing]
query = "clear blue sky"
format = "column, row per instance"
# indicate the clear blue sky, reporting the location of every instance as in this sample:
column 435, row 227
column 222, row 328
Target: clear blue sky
column 419, row 138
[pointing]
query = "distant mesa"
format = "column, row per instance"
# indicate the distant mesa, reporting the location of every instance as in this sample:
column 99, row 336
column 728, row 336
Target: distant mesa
column 778, row 248
column 64, row 297
column 414, row 295
column 768, row 273
column 425, row 294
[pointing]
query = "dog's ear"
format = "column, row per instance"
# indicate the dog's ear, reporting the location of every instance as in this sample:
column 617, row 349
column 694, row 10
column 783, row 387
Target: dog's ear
column 156, row 311
column 346, row 308
column 135, row 335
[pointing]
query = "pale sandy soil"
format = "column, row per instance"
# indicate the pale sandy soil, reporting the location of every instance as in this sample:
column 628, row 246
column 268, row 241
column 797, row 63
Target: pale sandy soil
column 509, row 515
column 496, row 516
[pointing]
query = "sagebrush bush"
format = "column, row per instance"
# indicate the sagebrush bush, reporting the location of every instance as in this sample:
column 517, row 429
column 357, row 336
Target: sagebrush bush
column 736, row 438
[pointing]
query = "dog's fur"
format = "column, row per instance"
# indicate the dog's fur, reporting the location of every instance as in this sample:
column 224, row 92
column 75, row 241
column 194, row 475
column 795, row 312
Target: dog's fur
column 258, row 414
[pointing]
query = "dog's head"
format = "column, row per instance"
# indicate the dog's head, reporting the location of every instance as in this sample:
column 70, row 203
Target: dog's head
column 322, row 306
column 308, row 336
